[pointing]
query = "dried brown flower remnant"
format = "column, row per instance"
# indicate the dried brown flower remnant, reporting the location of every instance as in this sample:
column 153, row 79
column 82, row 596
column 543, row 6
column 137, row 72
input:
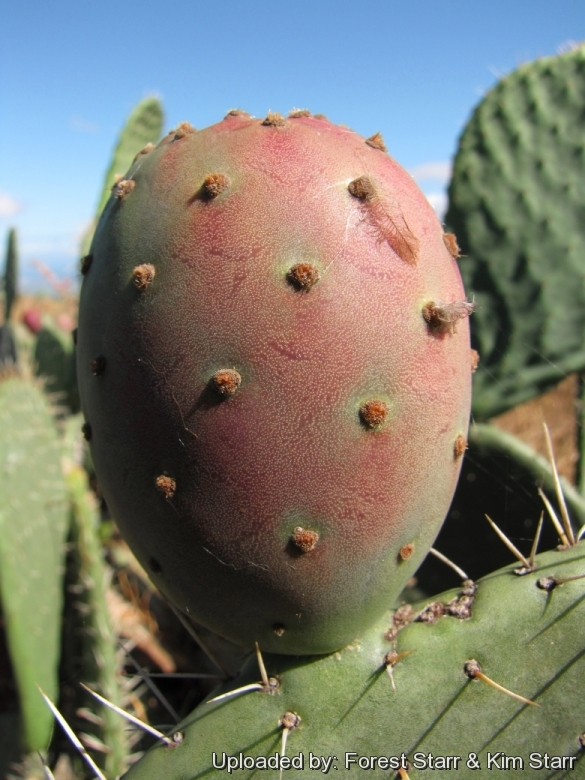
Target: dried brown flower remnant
column 450, row 240
column 373, row 413
column 386, row 219
column 304, row 539
column 166, row 485
column 226, row 381
column 143, row 275
column 303, row 275
column 376, row 142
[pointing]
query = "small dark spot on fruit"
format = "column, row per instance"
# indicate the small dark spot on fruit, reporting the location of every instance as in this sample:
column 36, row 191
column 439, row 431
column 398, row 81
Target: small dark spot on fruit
column 274, row 120
column 154, row 566
column 452, row 246
column 143, row 275
column 98, row 365
column 376, row 142
column 226, row 381
column 278, row 629
column 214, row 184
column 123, row 188
column 406, row 551
column 459, row 446
column 303, row 275
column 474, row 360
column 85, row 264
column 362, row 188
column 185, row 128
column 297, row 113
column 74, row 335
column 373, row 413
column 86, row 431
column 166, row 485
column 304, row 539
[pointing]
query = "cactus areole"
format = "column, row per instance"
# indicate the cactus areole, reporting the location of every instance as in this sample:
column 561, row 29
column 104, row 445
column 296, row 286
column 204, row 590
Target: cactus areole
column 273, row 356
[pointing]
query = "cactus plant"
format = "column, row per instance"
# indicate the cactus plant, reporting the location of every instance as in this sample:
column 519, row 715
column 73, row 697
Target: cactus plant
column 516, row 205
column 54, row 360
column 274, row 362
column 434, row 711
column 33, row 526
column 8, row 351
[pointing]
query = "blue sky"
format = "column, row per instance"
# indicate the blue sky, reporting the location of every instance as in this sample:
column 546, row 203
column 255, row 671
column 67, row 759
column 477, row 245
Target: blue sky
column 71, row 71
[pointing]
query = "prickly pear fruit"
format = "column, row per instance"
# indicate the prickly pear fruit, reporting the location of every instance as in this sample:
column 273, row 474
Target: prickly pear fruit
column 274, row 365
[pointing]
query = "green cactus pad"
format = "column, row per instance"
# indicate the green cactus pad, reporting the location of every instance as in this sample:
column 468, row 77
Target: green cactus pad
column 10, row 274
column 54, row 359
column 33, row 525
column 144, row 125
column 525, row 638
column 516, row 204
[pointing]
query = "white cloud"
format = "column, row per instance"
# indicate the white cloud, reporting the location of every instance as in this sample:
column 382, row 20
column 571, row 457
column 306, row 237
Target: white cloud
column 83, row 125
column 439, row 202
column 440, row 171
column 9, row 206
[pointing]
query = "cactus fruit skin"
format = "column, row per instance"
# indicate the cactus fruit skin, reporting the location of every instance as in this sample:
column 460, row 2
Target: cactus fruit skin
column 516, row 205
column 295, row 255
column 525, row 638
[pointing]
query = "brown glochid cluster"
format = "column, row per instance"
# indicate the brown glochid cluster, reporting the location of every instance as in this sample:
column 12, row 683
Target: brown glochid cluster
column 86, row 431
column 443, row 317
column 304, row 539
column 373, row 413
column 143, row 275
column 303, row 275
column 226, row 381
column 145, row 150
column 474, row 360
column 377, row 142
column 459, row 446
column 406, row 551
column 123, row 187
column 183, row 129
column 236, row 112
column 274, row 120
column 297, row 113
column 214, row 184
column 362, row 188
column 166, row 485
